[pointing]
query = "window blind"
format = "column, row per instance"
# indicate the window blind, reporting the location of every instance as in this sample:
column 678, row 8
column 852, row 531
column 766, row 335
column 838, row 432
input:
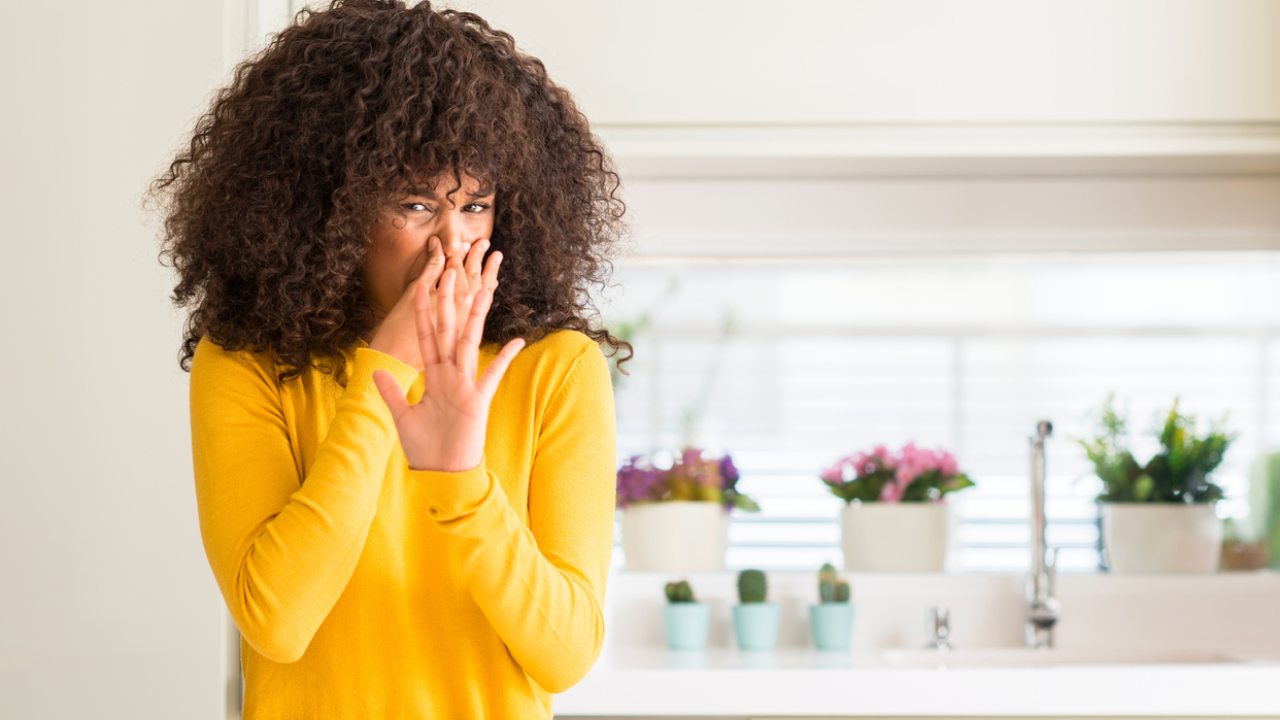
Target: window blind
column 790, row 365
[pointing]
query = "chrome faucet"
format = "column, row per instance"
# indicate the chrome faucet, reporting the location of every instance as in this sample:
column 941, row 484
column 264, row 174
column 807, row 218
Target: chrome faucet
column 1042, row 604
column 939, row 628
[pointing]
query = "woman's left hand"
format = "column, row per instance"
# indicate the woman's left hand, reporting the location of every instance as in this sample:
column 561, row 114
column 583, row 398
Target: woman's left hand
column 445, row 430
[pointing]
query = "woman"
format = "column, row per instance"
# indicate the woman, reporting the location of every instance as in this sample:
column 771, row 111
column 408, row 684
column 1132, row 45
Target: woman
column 404, row 467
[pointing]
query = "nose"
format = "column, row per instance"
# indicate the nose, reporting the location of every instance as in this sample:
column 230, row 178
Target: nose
column 449, row 231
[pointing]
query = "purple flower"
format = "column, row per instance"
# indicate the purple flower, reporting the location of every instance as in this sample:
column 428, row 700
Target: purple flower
column 639, row 481
column 728, row 471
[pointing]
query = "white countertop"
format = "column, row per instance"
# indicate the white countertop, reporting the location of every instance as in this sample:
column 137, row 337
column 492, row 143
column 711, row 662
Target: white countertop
column 800, row 681
column 1126, row 646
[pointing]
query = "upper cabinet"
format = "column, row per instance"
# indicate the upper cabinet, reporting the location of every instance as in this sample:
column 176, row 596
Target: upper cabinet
column 749, row 62
column 813, row 88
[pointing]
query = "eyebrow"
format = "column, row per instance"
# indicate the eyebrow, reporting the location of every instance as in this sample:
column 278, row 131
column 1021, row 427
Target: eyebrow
column 425, row 191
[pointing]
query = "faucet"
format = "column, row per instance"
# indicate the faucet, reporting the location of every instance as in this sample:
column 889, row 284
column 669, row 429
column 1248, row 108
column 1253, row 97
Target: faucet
column 1042, row 604
column 939, row 627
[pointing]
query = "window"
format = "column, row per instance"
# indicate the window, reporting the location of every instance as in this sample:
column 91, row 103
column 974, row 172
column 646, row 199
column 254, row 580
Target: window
column 821, row 358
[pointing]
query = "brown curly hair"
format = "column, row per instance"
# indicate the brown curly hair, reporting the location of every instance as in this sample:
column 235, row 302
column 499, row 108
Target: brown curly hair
column 267, row 211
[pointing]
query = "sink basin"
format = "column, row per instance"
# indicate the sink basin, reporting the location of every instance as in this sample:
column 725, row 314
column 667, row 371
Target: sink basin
column 1031, row 657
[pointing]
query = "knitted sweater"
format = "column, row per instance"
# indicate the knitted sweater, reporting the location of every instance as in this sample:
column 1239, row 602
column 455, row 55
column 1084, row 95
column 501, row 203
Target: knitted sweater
column 365, row 589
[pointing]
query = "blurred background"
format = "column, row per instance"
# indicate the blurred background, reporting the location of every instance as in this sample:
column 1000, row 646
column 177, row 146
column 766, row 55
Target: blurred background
column 862, row 222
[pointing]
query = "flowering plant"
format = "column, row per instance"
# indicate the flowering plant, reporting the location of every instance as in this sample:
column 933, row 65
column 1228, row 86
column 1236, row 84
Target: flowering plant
column 911, row 475
column 691, row 477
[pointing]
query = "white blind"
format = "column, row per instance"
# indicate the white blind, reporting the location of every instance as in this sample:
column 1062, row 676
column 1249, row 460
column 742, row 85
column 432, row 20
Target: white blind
column 967, row 354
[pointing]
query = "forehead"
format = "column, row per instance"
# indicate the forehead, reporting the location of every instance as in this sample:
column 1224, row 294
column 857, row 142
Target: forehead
column 444, row 182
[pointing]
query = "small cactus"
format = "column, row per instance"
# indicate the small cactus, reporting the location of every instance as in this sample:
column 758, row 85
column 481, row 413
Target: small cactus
column 830, row 587
column 752, row 586
column 679, row 592
column 842, row 592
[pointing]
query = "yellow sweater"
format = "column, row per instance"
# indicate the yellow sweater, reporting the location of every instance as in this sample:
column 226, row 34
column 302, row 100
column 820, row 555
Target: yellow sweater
column 365, row 589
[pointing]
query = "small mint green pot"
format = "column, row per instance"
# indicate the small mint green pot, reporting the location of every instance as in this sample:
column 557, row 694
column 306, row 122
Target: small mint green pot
column 756, row 625
column 831, row 625
column 686, row 625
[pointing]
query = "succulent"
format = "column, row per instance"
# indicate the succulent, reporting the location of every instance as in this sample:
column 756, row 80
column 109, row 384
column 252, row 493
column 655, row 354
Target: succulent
column 679, row 592
column 752, row 586
column 830, row 587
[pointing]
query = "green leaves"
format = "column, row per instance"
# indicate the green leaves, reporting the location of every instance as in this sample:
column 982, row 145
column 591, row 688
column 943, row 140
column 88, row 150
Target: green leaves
column 932, row 485
column 1178, row 472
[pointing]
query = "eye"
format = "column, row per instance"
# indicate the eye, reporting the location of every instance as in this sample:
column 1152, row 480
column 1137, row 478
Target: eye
column 417, row 207
column 482, row 207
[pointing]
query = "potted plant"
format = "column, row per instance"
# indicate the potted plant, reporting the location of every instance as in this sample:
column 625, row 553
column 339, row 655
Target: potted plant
column 895, row 518
column 1159, row 516
column 755, row 621
column 686, row 620
column 831, row 620
column 676, row 519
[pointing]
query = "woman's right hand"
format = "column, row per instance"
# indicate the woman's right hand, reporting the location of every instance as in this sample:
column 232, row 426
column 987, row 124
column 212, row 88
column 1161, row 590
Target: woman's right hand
column 397, row 333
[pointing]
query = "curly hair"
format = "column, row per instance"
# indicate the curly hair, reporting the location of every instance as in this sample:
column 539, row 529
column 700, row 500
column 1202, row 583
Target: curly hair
column 267, row 211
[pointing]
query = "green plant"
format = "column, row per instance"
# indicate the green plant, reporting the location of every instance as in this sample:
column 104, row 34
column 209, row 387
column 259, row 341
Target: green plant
column 679, row 592
column 1177, row 472
column 831, row 589
column 752, row 586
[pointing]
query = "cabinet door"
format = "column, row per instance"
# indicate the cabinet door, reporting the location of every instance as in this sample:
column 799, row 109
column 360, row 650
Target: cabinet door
column 736, row 62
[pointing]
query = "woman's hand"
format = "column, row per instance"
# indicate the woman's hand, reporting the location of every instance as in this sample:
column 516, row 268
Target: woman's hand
column 468, row 278
column 396, row 334
column 445, row 431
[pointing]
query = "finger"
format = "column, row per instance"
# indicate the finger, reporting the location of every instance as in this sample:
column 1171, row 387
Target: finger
column 391, row 392
column 424, row 319
column 473, row 332
column 435, row 263
column 488, row 384
column 463, row 289
column 446, row 339
column 460, row 277
column 490, row 276
column 474, row 261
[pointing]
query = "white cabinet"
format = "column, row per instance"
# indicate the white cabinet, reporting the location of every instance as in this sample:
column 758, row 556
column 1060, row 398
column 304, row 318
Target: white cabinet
column 752, row 62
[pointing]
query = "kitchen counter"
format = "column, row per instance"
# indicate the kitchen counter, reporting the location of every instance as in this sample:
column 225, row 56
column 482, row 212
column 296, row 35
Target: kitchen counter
column 794, row 682
column 1172, row 646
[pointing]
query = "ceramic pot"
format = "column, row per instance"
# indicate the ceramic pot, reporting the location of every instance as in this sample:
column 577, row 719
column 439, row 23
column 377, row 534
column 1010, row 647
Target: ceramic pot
column 895, row 537
column 831, row 625
column 1156, row 538
column 675, row 537
column 755, row 625
column 686, row 624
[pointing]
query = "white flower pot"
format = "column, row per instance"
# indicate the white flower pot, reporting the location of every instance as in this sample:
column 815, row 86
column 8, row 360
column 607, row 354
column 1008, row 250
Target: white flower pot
column 895, row 537
column 1161, row 537
column 677, row 536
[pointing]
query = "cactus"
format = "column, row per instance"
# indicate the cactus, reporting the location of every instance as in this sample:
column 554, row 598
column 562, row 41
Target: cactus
column 830, row 587
column 752, row 586
column 679, row 592
column 842, row 592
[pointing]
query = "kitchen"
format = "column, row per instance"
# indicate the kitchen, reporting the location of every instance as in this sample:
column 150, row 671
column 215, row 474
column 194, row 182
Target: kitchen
column 864, row 234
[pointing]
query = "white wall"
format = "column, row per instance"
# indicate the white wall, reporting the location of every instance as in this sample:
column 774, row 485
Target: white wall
column 107, row 605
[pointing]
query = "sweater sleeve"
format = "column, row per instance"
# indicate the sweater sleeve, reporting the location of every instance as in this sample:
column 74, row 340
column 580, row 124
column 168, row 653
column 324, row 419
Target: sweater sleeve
column 281, row 548
column 542, row 587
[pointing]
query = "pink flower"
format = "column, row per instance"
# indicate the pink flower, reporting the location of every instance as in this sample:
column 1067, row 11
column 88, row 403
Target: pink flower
column 892, row 491
column 947, row 465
